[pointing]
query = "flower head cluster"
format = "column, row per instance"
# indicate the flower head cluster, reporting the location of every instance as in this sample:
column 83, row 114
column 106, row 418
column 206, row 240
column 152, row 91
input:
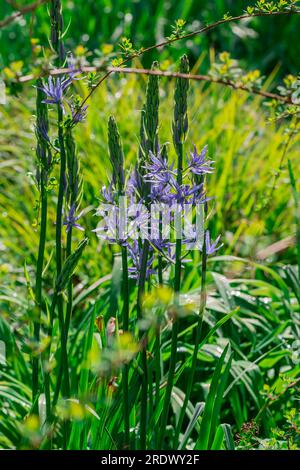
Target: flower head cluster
column 169, row 201
column 189, row 194
column 56, row 87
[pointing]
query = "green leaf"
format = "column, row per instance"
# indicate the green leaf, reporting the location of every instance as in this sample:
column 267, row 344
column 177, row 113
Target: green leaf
column 70, row 266
column 213, row 403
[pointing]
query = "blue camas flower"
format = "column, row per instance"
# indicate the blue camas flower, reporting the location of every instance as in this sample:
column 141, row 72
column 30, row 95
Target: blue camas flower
column 212, row 247
column 197, row 162
column 71, row 219
column 158, row 170
column 139, row 220
column 78, row 114
column 162, row 193
column 55, row 89
column 107, row 194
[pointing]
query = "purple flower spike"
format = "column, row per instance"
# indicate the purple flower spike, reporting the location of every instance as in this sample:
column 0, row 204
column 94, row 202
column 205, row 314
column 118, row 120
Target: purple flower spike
column 71, row 219
column 198, row 164
column 212, row 247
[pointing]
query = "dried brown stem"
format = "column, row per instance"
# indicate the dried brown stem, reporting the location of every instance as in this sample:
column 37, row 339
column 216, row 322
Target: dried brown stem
column 140, row 71
column 22, row 11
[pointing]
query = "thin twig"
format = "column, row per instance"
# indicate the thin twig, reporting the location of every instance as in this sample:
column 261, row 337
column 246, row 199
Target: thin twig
column 111, row 70
column 167, row 42
column 160, row 73
column 27, row 9
column 206, row 78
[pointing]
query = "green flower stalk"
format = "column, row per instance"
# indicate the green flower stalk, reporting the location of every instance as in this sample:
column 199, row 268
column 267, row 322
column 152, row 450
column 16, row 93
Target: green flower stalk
column 180, row 121
column 117, row 161
column 57, row 44
column 116, row 155
column 198, row 179
column 44, row 160
column 203, row 297
column 62, row 282
column 151, row 112
column 59, row 210
column 180, row 128
column 57, row 30
column 149, row 122
column 73, row 197
column 148, row 142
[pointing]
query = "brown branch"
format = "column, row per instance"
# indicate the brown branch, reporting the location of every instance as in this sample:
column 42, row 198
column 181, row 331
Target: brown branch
column 139, row 71
column 205, row 78
column 27, row 9
column 203, row 30
column 164, row 43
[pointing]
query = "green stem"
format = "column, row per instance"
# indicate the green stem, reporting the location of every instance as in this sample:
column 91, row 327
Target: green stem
column 157, row 372
column 192, row 371
column 38, row 288
column 60, row 307
column 125, row 328
column 67, row 320
column 47, row 360
column 157, row 352
column 175, row 329
column 70, row 286
column 144, row 395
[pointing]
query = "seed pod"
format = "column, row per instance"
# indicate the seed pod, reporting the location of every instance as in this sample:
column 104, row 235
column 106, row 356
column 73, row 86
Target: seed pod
column 43, row 150
column 116, row 154
column 151, row 110
column 180, row 120
column 149, row 118
column 57, row 29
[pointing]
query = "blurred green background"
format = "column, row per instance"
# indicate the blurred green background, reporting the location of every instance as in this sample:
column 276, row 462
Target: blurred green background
column 260, row 43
